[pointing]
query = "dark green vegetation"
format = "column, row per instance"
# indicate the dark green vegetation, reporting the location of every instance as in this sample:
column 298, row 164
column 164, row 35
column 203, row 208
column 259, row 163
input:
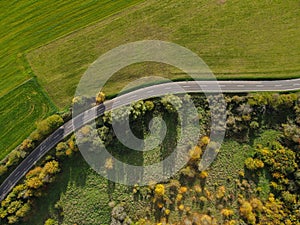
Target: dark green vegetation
column 19, row 108
column 237, row 39
column 83, row 196
column 255, row 178
column 26, row 25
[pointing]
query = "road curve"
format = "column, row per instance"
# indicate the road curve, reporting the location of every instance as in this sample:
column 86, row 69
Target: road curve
column 128, row 98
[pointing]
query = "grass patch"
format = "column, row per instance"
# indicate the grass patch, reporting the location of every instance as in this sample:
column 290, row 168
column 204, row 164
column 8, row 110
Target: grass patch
column 230, row 161
column 19, row 108
column 238, row 40
column 81, row 193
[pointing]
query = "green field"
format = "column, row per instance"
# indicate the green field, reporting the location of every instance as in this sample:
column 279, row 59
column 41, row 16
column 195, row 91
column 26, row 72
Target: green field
column 238, row 39
column 19, row 109
column 26, row 25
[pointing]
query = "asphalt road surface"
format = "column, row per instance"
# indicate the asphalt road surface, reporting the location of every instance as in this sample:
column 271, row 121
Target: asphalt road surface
column 126, row 99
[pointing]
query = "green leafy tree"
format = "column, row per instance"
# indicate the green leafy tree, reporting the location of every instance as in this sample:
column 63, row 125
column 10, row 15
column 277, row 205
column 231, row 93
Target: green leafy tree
column 51, row 222
column 48, row 125
column 61, row 148
column 171, row 102
column 3, row 170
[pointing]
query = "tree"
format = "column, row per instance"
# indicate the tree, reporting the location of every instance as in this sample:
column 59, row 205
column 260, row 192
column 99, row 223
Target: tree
column 172, row 103
column 203, row 174
column 14, row 206
column 34, row 172
column 138, row 109
column 34, row 182
column 3, row 170
column 253, row 164
column 105, row 134
column 100, row 97
column 278, row 158
column 183, row 190
column 12, row 219
column 51, row 167
column 244, row 109
column 195, row 153
column 13, row 158
column 24, row 210
column 159, row 190
column 292, row 132
column 204, row 140
column 254, row 125
column 257, row 205
column 61, row 148
column 289, row 198
column 51, row 222
column 188, row 172
column 227, row 213
column 246, row 212
column 109, row 164
column 49, row 124
column 27, row 144
column 149, row 105
column 220, row 192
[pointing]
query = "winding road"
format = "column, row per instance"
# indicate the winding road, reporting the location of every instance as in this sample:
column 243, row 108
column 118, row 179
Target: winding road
column 128, row 98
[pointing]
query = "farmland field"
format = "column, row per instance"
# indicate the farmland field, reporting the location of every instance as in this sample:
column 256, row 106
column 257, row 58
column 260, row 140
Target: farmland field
column 26, row 25
column 237, row 39
column 19, row 109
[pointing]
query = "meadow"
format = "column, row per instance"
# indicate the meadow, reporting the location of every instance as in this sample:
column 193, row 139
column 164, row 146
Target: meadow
column 26, row 25
column 83, row 195
column 237, row 40
column 19, row 109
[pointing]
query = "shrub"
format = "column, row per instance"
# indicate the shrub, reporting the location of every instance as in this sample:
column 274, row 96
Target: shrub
column 159, row 190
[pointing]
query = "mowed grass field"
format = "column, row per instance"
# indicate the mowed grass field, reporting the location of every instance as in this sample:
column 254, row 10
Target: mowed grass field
column 19, row 109
column 237, row 39
column 26, row 25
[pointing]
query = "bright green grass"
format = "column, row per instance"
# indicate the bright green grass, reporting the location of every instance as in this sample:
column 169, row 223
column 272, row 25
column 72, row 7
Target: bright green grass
column 29, row 24
column 238, row 39
column 19, row 108
column 25, row 25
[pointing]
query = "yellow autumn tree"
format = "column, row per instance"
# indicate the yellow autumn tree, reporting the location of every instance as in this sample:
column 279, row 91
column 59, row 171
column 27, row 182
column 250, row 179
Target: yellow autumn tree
column 220, row 192
column 246, row 212
column 100, row 97
column 227, row 212
column 159, row 190
column 203, row 174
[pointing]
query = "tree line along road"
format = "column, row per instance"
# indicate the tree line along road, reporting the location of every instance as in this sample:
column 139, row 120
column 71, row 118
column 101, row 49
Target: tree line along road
column 140, row 94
